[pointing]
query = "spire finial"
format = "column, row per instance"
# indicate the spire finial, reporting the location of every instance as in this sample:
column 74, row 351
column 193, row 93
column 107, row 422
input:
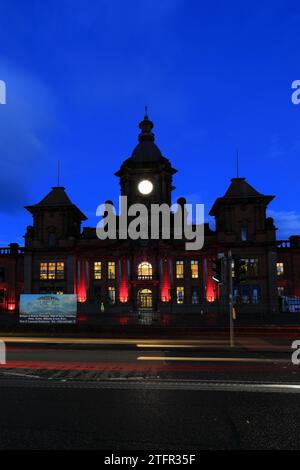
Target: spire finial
column 58, row 172
column 237, row 163
column 146, row 127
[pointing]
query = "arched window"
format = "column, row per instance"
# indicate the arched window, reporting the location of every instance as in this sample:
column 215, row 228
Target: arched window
column 145, row 270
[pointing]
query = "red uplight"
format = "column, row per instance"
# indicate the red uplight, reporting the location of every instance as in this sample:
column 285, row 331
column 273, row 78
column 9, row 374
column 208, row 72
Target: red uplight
column 165, row 291
column 123, row 296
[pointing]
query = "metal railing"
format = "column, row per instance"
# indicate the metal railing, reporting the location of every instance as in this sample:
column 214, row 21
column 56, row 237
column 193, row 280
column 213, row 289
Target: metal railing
column 12, row 250
column 283, row 244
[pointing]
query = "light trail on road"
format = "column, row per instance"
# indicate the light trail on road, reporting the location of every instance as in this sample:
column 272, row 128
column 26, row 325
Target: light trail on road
column 212, row 359
column 240, row 342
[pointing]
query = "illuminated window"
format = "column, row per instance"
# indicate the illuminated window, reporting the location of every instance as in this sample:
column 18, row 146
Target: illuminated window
column 112, row 294
column 111, row 270
column 179, row 270
column 280, row 269
column 97, row 270
column 43, row 270
column 60, row 270
column 232, row 268
column 145, row 270
column 180, row 294
column 194, row 269
column 248, row 267
column 52, row 270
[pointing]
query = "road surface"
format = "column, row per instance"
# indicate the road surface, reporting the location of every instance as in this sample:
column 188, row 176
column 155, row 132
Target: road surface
column 78, row 416
column 148, row 395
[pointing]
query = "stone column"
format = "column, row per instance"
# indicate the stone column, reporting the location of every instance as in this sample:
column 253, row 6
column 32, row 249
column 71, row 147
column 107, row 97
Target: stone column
column 70, row 274
column 272, row 282
column 28, row 273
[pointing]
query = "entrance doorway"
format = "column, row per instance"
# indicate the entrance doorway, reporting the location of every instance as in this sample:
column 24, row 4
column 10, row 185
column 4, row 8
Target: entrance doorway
column 145, row 301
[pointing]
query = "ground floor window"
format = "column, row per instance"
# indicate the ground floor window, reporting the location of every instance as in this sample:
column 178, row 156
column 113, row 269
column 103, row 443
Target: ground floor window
column 112, row 294
column 2, row 274
column 51, row 290
column 2, row 298
column 180, row 294
column 195, row 295
column 280, row 290
column 246, row 294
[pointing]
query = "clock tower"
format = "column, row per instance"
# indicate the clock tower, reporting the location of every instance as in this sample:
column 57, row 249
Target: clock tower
column 146, row 177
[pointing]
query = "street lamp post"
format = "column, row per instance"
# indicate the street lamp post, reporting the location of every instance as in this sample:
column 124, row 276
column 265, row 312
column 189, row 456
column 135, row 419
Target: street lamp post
column 231, row 324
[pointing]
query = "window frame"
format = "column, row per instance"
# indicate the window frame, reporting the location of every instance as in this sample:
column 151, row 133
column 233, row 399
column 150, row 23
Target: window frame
column 179, row 275
column 111, row 276
column 112, row 289
column 178, row 290
column 149, row 274
column 51, row 271
column 97, row 273
column 280, row 272
column 194, row 262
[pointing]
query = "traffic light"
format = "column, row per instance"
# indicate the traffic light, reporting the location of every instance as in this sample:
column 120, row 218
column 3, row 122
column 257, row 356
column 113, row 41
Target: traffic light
column 217, row 275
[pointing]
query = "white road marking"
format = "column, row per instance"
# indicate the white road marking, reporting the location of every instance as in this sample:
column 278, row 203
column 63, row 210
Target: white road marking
column 125, row 384
column 211, row 359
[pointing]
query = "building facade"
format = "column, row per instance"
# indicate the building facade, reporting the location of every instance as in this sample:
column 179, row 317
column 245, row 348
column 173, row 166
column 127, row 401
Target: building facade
column 124, row 275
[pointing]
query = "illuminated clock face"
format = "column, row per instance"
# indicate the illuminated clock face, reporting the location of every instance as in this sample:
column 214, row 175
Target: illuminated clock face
column 145, row 187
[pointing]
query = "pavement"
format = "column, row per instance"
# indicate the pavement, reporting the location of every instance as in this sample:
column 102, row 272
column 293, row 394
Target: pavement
column 75, row 416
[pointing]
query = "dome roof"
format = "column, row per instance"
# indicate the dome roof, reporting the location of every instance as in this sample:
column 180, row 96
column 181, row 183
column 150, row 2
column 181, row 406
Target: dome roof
column 146, row 154
column 146, row 151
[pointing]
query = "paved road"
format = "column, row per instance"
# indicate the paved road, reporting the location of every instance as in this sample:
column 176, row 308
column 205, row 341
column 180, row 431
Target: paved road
column 149, row 396
column 37, row 415
column 176, row 360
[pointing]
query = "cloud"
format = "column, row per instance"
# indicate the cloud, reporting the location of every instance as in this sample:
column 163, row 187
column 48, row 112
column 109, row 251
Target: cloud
column 25, row 118
column 287, row 222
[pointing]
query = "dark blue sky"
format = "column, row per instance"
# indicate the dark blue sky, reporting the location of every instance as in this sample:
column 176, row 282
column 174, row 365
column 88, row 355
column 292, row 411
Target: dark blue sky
column 215, row 75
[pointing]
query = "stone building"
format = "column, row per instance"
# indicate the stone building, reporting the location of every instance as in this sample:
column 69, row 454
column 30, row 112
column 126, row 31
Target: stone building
column 160, row 275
